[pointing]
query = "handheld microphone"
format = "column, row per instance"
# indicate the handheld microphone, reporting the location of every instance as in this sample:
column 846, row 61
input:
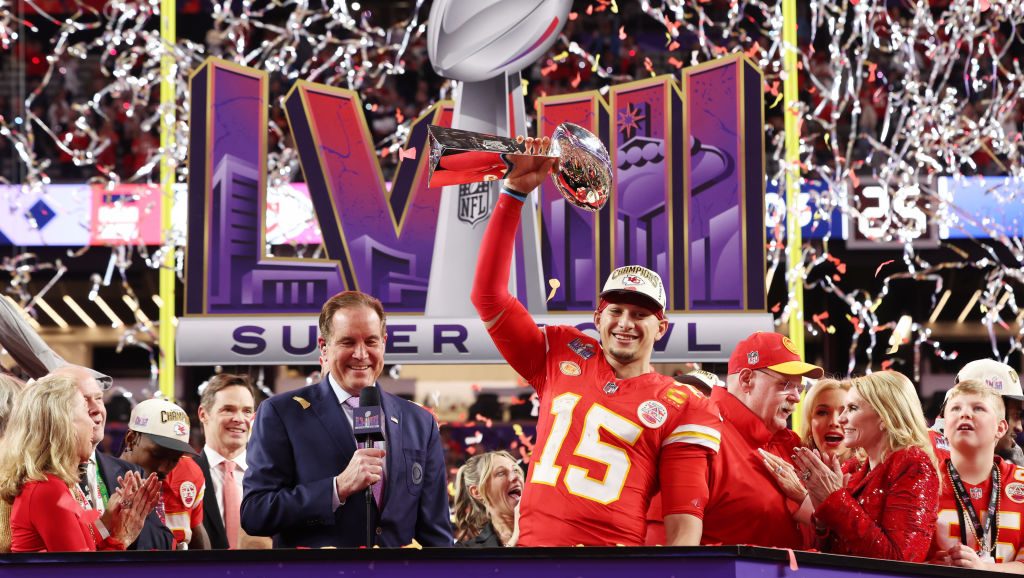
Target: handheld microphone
column 368, row 427
column 368, row 419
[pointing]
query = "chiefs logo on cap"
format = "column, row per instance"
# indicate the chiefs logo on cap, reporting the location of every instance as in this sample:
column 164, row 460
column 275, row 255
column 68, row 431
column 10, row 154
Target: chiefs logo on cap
column 180, row 429
column 788, row 343
column 632, row 280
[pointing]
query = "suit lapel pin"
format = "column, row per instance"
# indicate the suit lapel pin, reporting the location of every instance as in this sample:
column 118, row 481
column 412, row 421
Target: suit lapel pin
column 302, row 402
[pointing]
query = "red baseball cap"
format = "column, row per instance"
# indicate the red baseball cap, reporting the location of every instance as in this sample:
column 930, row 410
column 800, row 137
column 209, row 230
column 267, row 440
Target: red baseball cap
column 773, row 351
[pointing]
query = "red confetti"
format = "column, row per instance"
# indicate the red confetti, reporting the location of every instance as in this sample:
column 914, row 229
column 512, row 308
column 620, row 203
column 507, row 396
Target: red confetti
column 576, row 81
column 675, row 62
column 407, row 153
column 886, row 364
column 673, row 46
column 818, row 319
column 879, row 270
column 622, row 32
column 775, row 308
column 574, row 15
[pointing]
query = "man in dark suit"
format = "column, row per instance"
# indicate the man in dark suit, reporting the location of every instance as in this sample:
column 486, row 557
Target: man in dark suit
column 226, row 407
column 306, row 480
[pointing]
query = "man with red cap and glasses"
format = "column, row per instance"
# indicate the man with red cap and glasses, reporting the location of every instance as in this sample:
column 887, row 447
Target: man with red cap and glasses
column 610, row 429
column 761, row 392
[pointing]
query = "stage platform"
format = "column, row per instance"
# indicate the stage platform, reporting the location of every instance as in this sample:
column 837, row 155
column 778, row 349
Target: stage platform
column 703, row 562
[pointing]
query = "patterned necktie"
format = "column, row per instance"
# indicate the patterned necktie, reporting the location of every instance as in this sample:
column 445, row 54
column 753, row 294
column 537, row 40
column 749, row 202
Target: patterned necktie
column 378, row 488
column 232, row 503
column 83, row 482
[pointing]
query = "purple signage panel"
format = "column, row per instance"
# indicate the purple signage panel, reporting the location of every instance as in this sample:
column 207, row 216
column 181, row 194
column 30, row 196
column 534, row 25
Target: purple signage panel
column 724, row 185
column 689, row 203
column 227, row 206
column 575, row 247
column 648, row 182
column 383, row 240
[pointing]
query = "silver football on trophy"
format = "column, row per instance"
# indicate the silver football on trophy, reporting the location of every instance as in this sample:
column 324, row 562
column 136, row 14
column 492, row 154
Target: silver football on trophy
column 584, row 175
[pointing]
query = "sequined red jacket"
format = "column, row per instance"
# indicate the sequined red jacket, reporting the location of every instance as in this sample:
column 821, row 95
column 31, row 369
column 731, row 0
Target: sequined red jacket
column 886, row 512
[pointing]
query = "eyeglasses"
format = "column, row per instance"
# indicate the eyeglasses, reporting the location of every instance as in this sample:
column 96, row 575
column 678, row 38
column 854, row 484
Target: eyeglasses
column 783, row 383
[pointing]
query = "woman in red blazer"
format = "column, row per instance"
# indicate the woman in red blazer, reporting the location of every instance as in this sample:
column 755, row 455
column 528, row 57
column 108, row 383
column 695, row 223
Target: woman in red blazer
column 888, row 504
column 49, row 434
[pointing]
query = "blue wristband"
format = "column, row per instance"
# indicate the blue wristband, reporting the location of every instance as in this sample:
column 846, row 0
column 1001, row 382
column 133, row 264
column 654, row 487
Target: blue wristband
column 517, row 196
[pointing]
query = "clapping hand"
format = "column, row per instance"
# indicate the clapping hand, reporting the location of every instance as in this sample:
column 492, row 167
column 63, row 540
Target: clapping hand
column 129, row 505
column 820, row 478
column 785, row 476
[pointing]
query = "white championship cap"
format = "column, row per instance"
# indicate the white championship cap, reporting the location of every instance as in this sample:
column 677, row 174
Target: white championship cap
column 637, row 279
column 163, row 422
column 998, row 376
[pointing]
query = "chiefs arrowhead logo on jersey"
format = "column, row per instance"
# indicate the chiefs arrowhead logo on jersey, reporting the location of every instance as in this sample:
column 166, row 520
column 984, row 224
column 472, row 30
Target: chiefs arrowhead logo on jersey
column 652, row 414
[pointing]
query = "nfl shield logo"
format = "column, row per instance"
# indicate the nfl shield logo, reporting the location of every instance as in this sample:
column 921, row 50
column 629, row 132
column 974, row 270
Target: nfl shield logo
column 474, row 202
column 752, row 358
column 611, row 387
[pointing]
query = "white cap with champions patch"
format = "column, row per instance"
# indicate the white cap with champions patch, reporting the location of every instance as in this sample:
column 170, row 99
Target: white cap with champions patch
column 998, row 376
column 163, row 422
column 637, row 279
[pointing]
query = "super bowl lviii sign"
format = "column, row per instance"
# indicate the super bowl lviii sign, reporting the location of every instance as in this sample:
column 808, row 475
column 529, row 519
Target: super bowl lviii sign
column 688, row 202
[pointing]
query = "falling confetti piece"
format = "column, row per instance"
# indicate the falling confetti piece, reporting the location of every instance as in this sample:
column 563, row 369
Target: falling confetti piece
column 622, row 32
column 554, row 284
column 409, row 154
column 778, row 99
column 576, row 81
column 879, row 269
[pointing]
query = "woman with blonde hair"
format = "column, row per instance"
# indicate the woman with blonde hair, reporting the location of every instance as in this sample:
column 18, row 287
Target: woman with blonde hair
column 48, row 435
column 820, row 429
column 887, row 507
column 9, row 388
column 488, row 488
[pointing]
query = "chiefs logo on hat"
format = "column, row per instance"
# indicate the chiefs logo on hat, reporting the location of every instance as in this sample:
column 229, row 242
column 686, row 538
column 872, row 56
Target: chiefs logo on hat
column 788, row 343
column 633, row 280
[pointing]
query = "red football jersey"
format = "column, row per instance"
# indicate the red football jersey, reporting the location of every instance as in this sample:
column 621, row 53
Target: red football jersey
column 601, row 443
column 183, row 491
column 1011, row 507
column 939, row 444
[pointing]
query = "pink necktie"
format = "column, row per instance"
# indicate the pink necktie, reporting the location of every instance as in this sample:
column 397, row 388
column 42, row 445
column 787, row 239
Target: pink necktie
column 377, row 488
column 232, row 503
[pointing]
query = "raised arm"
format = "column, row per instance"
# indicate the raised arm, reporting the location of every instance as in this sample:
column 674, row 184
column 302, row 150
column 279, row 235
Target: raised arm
column 511, row 327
